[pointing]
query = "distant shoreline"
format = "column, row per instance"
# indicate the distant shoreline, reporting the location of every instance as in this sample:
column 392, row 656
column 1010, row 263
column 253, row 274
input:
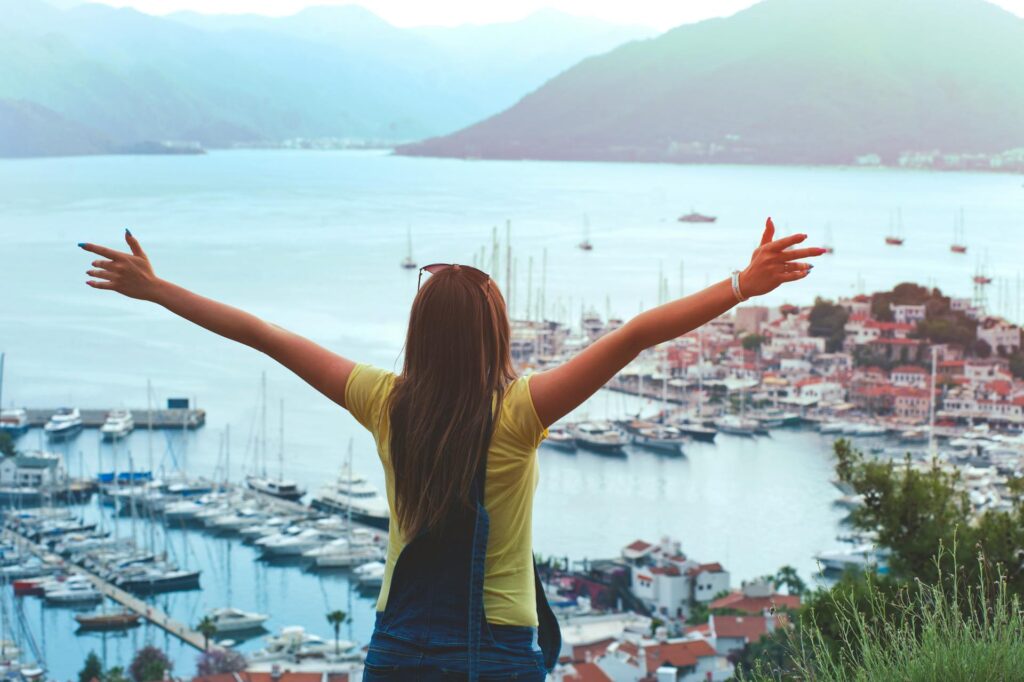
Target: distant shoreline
column 394, row 151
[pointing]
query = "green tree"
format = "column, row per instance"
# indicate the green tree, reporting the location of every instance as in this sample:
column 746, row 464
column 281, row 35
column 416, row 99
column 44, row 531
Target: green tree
column 336, row 618
column 753, row 342
column 115, row 674
column 6, row 444
column 828, row 320
column 93, row 669
column 149, row 665
column 220, row 661
column 207, row 628
column 788, row 577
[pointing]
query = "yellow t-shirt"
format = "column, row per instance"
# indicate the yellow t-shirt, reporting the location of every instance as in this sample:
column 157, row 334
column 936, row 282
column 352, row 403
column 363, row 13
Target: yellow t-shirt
column 512, row 474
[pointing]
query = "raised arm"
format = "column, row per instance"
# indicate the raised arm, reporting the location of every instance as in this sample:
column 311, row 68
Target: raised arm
column 131, row 274
column 558, row 391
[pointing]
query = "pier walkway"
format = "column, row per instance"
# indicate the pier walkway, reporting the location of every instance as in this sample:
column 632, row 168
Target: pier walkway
column 148, row 611
column 190, row 418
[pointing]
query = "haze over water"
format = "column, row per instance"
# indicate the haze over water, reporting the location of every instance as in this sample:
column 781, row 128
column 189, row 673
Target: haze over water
column 312, row 241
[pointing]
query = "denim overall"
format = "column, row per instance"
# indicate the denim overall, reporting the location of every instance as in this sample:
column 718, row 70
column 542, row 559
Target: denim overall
column 434, row 626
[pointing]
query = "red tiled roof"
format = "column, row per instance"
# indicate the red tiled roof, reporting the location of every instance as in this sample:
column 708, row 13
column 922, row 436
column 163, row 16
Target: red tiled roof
column 755, row 605
column 679, row 654
column 909, row 369
column 638, row 546
column 665, row 570
column 714, row 567
column 629, row 648
column 587, row 672
column 748, row 628
column 999, row 386
column 891, row 326
column 703, row 628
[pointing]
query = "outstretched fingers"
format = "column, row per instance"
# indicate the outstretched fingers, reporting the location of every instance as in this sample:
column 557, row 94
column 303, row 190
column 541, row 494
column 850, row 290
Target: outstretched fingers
column 785, row 242
column 797, row 254
column 769, row 232
column 103, row 251
column 133, row 244
column 100, row 284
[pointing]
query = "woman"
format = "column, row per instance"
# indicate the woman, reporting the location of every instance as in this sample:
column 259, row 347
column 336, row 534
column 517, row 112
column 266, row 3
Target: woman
column 457, row 433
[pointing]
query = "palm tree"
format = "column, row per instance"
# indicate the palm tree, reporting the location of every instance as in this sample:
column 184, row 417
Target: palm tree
column 207, row 628
column 788, row 577
column 336, row 618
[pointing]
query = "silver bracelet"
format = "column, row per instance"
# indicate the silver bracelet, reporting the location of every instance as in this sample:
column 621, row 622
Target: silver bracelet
column 740, row 298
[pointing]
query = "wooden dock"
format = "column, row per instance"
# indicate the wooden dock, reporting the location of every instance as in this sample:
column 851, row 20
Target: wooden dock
column 162, row 419
column 148, row 611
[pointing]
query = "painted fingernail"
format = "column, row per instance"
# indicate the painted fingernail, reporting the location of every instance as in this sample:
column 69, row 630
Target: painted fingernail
column 810, row 267
column 81, row 244
column 128, row 232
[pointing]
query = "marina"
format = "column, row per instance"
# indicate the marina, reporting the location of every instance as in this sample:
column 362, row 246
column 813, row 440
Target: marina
column 175, row 418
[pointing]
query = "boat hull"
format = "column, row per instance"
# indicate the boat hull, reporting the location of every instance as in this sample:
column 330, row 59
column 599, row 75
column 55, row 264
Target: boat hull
column 321, row 504
column 185, row 581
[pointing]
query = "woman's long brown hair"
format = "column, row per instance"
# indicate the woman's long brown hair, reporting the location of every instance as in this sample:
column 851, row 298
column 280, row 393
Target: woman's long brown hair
column 457, row 363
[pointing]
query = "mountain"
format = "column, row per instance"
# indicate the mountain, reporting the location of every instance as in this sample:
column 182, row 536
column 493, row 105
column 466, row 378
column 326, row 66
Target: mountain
column 27, row 129
column 325, row 72
column 785, row 81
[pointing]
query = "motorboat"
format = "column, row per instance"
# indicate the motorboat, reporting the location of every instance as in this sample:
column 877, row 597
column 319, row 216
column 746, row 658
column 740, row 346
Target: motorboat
column 294, row 643
column 65, row 423
column 120, row 620
column 657, row 437
column 693, row 216
column 696, row 429
column 233, row 521
column 182, row 511
column 737, row 426
column 600, row 436
column 864, row 430
column 861, row 557
column 561, row 437
column 72, row 592
column 343, row 553
column 369, row 575
column 150, row 579
column 832, row 427
column 14, row 422
column 118, row 424
column 280, row 488
column 294, row 545
column 228, row 619
column 353, row 495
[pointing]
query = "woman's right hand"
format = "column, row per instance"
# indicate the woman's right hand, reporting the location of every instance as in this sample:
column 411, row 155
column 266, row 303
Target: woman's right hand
column 774, row 263
column 130, row 274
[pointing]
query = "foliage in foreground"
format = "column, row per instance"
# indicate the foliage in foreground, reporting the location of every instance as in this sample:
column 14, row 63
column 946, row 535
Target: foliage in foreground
column 920, row 632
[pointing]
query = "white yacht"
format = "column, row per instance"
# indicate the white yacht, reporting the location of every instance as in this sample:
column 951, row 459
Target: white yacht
column 342, row 553
column 72, row 591
column 229, row 619
column 353, row 494
column 119, row 423
column 14, row 421
column 231, row 522
column 600, row 437
column 861, row 557
column 183, row 511
column 281, row 488
column 293, row 642
column 737, row 426
column 370, row 575
column 65, row 423
column 286, row 544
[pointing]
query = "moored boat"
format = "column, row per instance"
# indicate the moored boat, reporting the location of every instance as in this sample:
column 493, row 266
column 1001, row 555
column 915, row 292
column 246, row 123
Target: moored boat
column 118, row 424
column 601, row 437
column 229, row 619
column 121, row 620
column 65, row 423
column 280, row 488
column 14, row 421
column 561, row 437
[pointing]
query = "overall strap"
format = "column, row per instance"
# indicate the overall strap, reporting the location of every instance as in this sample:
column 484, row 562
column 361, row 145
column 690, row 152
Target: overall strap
column 481, row 532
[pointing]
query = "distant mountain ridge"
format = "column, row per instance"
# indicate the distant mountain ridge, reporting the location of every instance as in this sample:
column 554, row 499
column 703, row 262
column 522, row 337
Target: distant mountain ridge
column 327, row 72
column 785, row 81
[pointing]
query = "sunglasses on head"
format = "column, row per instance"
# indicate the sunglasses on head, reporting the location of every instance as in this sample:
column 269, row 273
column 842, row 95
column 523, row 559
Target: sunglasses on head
column 435, row 268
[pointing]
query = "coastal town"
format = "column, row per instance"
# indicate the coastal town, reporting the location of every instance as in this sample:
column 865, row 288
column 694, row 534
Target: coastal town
column 907, row 374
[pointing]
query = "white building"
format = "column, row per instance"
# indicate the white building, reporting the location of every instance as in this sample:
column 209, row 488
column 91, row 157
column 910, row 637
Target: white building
column 999, row 334
column 821, row 392
column 908, row 314
column 32, row 469
column 911, row 376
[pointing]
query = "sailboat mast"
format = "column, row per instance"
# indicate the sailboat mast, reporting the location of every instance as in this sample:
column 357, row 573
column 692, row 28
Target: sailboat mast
column 931, row 407
column 263, row 427
column 280, row 445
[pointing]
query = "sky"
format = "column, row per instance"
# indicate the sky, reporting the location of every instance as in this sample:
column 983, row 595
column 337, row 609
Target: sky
column 661, row 14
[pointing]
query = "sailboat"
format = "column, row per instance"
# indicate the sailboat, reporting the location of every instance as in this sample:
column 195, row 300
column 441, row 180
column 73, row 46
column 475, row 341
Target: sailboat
column 279, row 487
column 585, row 245
column 958, row 245
column 895, row 236
column 408, row 263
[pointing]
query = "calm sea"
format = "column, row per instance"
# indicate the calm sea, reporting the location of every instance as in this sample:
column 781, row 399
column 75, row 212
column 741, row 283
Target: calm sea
column 312, row 241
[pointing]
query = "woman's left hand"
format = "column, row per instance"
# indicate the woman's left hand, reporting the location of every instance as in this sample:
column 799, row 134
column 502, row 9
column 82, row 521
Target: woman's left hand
column 774, row 262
